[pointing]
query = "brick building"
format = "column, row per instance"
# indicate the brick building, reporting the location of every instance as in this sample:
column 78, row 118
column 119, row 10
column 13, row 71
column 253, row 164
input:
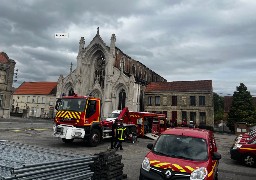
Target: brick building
column 189, row 101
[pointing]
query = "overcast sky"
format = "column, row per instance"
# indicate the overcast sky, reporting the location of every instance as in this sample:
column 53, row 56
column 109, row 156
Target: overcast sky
column 181, row 40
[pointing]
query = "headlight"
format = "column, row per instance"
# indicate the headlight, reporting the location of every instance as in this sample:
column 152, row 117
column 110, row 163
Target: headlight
column 199, row 174
column 237, row 146
column 146, row 164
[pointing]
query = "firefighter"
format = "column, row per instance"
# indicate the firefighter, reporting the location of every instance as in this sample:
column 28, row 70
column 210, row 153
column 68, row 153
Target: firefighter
column 120, row 134
column 113, row 134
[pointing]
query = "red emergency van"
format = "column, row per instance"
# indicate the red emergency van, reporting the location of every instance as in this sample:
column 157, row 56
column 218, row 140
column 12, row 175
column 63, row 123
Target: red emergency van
column 182, row 153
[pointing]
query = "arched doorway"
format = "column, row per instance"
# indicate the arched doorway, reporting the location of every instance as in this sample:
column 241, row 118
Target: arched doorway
column 71, row 92
column 121, row 100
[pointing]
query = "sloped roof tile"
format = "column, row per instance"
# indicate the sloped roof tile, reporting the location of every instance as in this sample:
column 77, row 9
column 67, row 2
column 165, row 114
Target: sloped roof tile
column 180, row 86
column 36, row 88
column 4, row 58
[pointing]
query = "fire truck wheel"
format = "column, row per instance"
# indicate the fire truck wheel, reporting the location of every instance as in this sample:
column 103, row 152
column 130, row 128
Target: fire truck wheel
column 249, row 160
column 94, row 137
column 67, row 141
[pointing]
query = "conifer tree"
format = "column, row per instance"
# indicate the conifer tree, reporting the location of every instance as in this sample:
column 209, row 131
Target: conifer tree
column 242, row 108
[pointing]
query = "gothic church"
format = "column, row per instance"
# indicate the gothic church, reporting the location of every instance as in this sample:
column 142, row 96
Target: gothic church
column 108, row 73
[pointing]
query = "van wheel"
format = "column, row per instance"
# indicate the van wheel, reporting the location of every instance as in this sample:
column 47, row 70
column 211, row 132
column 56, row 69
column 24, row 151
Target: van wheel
column 67, row 141
column 249, row 160
column 94, row 138
column 216, row 175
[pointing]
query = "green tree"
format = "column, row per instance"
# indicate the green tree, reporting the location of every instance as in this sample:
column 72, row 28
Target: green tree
column 242, row 109
column 218, row 103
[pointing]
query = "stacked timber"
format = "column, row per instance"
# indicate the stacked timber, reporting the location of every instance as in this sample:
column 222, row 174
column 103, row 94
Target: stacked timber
column 108, row 166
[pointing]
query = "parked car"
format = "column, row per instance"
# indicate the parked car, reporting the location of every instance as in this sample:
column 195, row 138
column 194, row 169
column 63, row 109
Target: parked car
column 182, row 153
column 245, row 152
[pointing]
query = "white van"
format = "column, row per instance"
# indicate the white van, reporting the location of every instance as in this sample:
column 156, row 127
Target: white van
column 113, row 115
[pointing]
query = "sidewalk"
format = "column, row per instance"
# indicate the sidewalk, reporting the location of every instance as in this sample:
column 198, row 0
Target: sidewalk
column 13, row 118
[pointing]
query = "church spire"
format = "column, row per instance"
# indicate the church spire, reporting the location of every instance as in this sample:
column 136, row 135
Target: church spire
column 98, row 31
column 81, row 43
column 113, row 44
column 71, row 66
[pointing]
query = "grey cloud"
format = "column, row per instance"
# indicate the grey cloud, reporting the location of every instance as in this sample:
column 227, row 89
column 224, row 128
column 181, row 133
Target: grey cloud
column 178, row 39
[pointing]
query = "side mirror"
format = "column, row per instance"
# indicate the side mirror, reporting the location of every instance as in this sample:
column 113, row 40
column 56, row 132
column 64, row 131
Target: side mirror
column 58, row 103
column 150, row 146
column 216, row 156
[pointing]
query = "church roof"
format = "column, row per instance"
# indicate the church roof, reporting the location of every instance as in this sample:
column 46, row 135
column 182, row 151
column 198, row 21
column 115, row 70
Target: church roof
column 180, row 86
column 4, row 58
column 36, row 88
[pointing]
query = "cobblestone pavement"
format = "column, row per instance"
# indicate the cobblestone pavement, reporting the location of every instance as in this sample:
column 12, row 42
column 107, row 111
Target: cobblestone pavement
column 38, row 133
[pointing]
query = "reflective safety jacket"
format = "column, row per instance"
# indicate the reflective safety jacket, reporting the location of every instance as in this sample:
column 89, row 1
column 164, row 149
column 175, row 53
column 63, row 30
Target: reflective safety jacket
column 120, row 133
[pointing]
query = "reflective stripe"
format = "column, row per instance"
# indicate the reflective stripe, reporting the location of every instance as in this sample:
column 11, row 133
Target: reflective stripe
column 213, row 167
column 250, row 149
column 190, row 168
column 179, row 167
column 121, row 137
column 69, row 114
column 174, row 167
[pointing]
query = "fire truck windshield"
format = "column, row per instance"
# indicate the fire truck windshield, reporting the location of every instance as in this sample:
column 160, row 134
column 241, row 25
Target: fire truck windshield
column 72, row 104
column 182, row 147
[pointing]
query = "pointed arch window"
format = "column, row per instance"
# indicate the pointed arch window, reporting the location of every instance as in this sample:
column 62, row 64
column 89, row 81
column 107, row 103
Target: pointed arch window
column 122, row 97
column 134, row 69
column 100, row 70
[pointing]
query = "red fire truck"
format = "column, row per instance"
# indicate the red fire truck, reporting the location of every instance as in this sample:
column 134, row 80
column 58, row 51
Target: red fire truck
column 78, row 117
column 146, row 123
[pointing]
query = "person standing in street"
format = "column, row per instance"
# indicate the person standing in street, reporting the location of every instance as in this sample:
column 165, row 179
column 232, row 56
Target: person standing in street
column 113, row 134
column 120, row 134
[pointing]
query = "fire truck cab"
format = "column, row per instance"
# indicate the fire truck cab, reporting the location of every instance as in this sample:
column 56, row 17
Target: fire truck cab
column 78, row 117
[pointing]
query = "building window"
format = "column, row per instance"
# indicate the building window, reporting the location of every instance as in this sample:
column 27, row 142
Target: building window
column 33, row 99
column 202, row 118
column 201, row 100
column 174, row 100
column 184, row 115
column 192, row 118
column 1, row 100
column 3, row 77
column 43, row 100
column 149, row 100
column 28, row 98
column 133, row 69
column 157, row 100
column 192, row 100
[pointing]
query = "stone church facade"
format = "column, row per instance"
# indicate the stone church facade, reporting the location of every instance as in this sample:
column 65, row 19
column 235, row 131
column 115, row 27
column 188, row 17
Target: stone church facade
column 108, row 73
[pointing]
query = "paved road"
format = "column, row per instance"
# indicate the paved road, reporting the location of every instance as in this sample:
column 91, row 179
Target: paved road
column 39, row 133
